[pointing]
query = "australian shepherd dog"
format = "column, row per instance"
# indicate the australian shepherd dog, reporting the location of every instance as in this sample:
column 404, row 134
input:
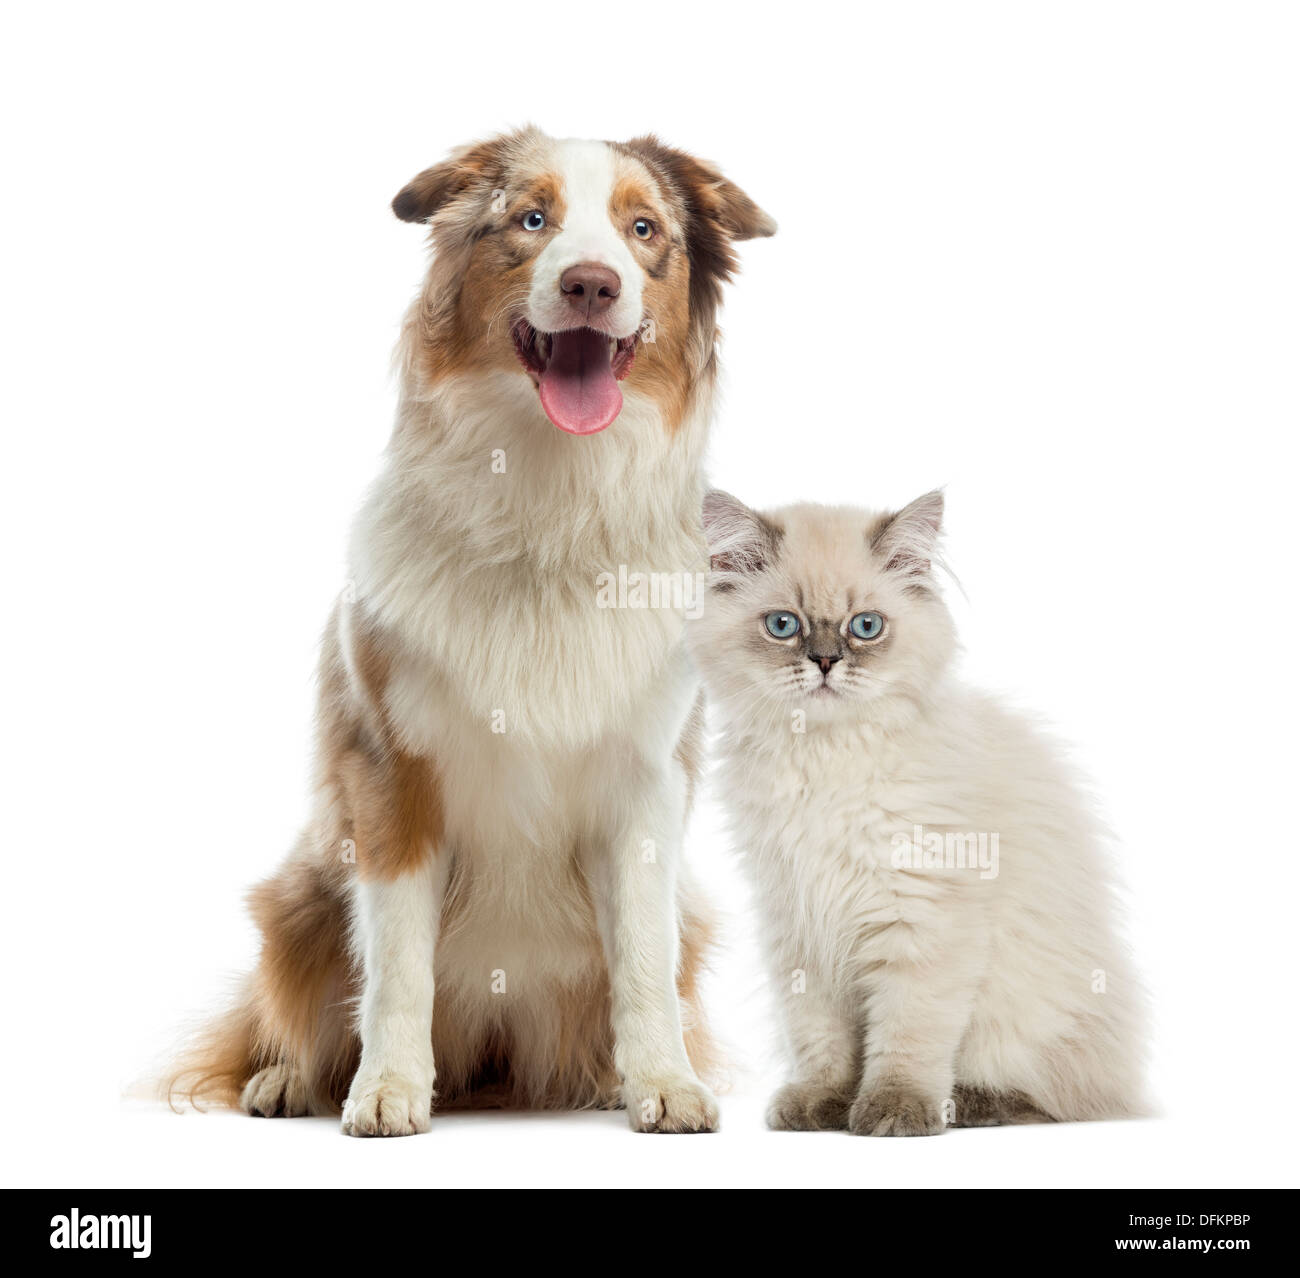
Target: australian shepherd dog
column 489, row 889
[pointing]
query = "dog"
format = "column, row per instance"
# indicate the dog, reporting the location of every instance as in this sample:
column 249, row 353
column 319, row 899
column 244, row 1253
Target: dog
column 491, row 877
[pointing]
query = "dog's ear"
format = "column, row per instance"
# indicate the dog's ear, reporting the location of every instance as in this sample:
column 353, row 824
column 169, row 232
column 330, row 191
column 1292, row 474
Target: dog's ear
column 479, row 164
column 710, row 199
column 740, row 540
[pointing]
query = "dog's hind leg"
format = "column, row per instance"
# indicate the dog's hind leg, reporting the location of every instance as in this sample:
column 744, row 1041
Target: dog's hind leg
column 278, row 1091
column 287, row 1046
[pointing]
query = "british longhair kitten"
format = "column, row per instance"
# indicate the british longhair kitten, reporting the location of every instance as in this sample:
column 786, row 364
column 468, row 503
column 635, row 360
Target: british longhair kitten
column 935, row 901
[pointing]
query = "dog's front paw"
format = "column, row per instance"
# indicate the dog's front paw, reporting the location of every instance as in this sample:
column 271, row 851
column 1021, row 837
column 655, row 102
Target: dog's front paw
column 387, row 1106
column 809, row 1107
column 676, row 1104
column 893, row 1110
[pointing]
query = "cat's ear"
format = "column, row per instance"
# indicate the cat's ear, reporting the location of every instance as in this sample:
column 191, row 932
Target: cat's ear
column 740, row 540
column 907, row 540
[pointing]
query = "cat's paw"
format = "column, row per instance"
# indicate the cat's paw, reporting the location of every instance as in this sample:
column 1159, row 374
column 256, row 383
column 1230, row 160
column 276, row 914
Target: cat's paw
column 985, row 1107
column 278, row 1091
column 387, row 1106
column 895, row 1111
column 808, row 1107
column 675, row 1104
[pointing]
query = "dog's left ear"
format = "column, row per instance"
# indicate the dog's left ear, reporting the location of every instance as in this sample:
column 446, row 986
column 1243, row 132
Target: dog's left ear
column 708, row 196
column 474, row 165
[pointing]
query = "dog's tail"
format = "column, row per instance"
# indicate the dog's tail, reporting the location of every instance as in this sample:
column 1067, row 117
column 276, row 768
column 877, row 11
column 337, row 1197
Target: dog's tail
column 698, row 938
column 215, row 1066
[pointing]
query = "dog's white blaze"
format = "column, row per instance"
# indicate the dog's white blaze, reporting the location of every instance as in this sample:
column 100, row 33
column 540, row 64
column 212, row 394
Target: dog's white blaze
column 588, row 172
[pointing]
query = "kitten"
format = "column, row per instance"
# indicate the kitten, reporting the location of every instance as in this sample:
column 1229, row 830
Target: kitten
column 935, row 901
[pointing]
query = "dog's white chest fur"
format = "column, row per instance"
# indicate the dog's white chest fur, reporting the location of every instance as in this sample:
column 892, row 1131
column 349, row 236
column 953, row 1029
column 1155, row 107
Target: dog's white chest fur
column 490, row 578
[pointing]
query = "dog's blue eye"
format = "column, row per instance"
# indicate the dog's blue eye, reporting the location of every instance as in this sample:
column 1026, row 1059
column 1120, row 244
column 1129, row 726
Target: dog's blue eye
column 867, row 625
column 534, row 220
column 642, row 229
column 781, row 625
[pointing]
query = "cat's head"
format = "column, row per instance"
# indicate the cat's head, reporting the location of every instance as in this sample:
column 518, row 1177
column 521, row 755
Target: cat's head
column 829, row 610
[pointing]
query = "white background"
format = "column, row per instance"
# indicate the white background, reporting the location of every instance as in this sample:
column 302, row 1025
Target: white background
column 1045, row 254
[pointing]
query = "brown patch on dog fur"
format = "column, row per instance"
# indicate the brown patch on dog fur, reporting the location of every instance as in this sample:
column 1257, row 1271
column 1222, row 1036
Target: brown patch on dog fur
column 636, row 195
column 667, row 369
column 385, row 801
column 714, row 213
column 708, row 214
column 714, row 203
column 391, row 811
column 481, row 268
column 463, row 318
column 376, row 800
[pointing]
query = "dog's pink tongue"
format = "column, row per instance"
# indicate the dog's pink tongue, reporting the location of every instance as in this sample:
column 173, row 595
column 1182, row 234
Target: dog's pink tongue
column 579, row 393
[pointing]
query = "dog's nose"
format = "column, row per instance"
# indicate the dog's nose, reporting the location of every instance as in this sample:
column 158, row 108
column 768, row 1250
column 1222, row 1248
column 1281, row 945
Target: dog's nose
column 589, row 288
column 825, row 660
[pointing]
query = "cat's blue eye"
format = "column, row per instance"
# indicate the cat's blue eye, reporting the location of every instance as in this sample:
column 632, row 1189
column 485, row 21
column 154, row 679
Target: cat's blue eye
column 866, row 625
column 781, row 625
column 534, row 220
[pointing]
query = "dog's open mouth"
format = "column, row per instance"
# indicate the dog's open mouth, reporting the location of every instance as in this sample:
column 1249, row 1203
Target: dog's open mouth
column 577, row 373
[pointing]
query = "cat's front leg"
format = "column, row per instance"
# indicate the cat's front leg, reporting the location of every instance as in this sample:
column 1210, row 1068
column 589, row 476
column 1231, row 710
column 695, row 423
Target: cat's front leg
column 917, row 1010
column 633, row 876
column 822, row 1040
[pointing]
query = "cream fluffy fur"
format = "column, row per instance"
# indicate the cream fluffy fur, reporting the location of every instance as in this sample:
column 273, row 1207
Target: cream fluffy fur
column 913, row 996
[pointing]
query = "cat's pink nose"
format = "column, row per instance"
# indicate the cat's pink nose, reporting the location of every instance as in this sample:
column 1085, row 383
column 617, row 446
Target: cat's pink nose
column 826, row 662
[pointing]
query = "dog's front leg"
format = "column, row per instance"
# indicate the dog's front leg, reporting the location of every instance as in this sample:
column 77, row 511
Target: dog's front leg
column 633, row 876
column 397, row 929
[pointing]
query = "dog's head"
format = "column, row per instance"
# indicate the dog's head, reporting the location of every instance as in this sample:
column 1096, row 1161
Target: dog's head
column 579, row 265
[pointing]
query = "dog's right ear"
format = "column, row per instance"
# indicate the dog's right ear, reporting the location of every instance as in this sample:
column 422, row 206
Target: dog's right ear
column 710, row 198
column 740, row 540
column 480, row 163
